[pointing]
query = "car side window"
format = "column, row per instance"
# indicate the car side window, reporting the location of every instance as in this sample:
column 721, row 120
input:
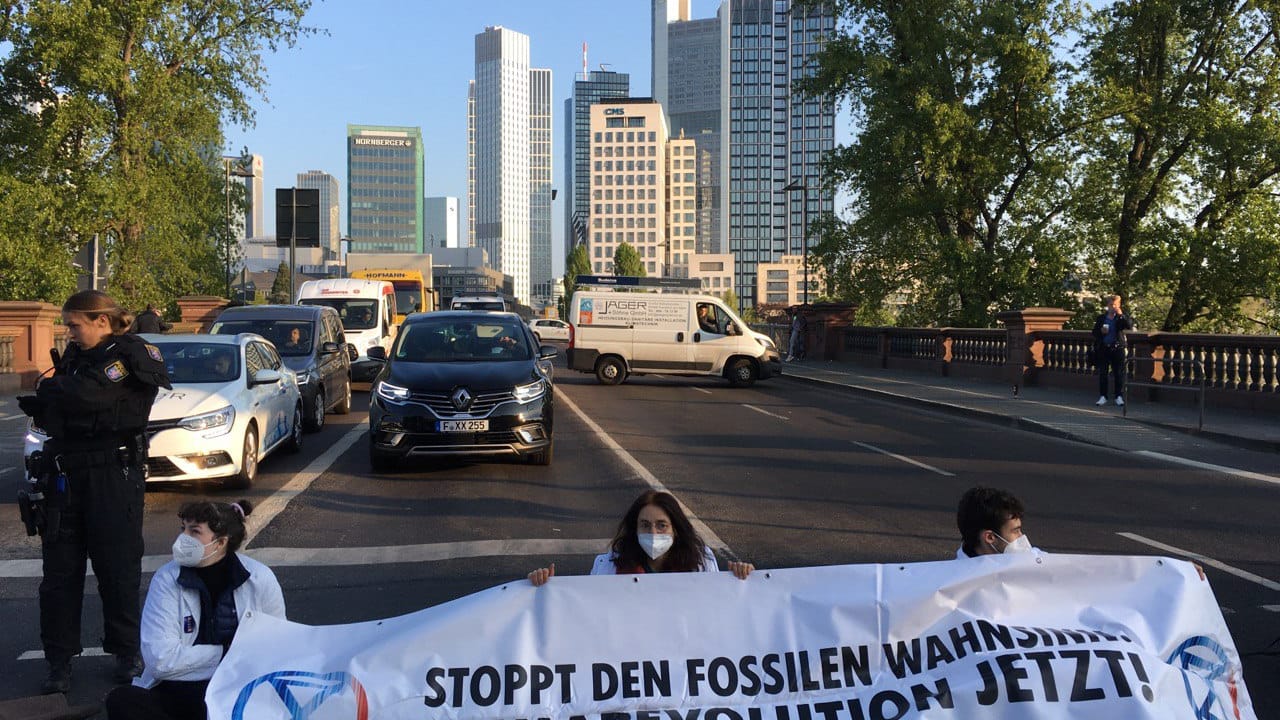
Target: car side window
column 270, row 357
column 326, row 331
column 253, row 361
column 337, row 330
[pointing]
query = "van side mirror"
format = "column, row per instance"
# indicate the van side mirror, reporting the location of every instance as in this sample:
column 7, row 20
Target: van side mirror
column 377, row 352
column 352, row 352
column 548, row 352
column 328, row 348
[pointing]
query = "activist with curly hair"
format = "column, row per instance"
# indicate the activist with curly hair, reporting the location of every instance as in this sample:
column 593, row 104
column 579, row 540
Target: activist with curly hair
column 192, row 613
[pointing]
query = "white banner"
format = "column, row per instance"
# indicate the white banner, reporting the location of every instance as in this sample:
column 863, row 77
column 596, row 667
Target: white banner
column 1056, row 636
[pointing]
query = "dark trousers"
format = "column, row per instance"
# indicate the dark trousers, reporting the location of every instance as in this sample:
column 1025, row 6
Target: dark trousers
column 1110, row 358
column 168, row 700
column 101, row 522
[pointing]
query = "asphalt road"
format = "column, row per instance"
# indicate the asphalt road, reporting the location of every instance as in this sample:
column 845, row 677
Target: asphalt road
column 785, row 474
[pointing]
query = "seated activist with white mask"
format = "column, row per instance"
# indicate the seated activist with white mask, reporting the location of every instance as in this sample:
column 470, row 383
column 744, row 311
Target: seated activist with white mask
column 990, row 523
column 654, row 536
column 193, row 610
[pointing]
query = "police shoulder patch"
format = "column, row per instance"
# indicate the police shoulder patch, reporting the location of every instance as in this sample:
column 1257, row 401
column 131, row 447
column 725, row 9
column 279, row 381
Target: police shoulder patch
column 115, row 372
column 154, row 353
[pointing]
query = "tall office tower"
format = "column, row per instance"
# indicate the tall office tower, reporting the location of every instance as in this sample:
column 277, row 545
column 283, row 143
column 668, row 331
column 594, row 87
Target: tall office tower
column 588, row 88
column 629, row 184
column 500, row 178
column 255, row 224
column 440, row 220
column 687, row 81
column 471, row 163
column 384, row 188
column 776, row 135
column 541, row 277
column 330, row 224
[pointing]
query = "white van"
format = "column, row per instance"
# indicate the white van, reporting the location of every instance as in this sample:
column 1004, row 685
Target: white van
column 615, row 334
column 368, row 312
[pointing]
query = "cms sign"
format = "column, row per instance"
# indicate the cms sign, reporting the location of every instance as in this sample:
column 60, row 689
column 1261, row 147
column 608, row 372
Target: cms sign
column 615, row 111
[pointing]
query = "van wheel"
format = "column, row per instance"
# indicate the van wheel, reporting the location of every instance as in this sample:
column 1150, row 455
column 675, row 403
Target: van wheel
column 316, row 422
column 610, row 371
column 742, row 373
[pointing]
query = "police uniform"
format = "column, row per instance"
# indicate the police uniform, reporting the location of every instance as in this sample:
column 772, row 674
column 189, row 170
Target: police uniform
column 94, row 409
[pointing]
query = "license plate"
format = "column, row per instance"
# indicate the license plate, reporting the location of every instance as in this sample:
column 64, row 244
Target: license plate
column 462, row 426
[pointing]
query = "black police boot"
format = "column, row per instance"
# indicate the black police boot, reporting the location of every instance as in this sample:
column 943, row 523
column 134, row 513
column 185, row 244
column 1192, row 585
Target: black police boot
column 59, row 678
column 128, row 667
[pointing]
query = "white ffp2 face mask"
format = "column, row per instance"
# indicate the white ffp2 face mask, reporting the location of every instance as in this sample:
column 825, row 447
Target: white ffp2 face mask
column 655, row 545
column 188, row 551
column 1021, row 545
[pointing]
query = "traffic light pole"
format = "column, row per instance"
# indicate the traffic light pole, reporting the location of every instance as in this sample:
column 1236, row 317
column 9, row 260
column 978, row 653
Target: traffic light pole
column 293, row 249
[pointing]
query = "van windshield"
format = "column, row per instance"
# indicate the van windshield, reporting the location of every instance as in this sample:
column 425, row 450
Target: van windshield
column 356, row 314
column 291, row 337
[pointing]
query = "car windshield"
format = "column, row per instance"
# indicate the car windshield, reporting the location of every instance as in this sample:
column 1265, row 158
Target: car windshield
column 291, row 337
column 355, row 314
column 200, row 362
column 461, row 340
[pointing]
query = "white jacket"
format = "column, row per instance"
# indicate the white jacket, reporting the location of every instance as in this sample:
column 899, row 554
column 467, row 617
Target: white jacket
column 604, row 564
column 171, row 621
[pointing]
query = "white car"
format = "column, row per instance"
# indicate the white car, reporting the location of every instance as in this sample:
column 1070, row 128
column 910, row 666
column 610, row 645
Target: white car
column 545, row 329
column 233, row 403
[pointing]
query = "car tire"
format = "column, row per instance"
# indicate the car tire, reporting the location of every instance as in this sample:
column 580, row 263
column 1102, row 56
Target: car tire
column 741, row 373
column 543, row 457
column 248, row 461
column 293, row 445
column 315, row 421
column 610, row 370
column 344, row 406
column 379, row 461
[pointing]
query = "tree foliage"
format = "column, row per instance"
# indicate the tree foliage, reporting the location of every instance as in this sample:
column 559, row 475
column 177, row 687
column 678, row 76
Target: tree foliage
column 113, row 124
column 627, row 262
column 281, row 286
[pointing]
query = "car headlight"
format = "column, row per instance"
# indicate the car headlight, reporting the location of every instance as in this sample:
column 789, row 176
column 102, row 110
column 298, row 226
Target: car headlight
column 395, row 393
column 35, row 433
column 530, row 392
column 219, row 421
column 303, row 376
column 766, row 342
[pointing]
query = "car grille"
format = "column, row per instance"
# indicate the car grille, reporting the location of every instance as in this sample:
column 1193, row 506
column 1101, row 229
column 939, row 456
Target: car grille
column 162, row 467
column 448, row 439
column 442, row 406
column 156, row 426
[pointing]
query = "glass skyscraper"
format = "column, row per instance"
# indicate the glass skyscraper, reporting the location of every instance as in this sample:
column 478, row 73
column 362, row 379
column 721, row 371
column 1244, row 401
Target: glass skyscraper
column 589, row 87
column 384, row 188
column 330, row 226
column 540, row 178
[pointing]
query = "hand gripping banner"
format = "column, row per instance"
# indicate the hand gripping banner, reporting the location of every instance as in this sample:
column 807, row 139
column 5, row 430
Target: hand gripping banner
column 1048, row 636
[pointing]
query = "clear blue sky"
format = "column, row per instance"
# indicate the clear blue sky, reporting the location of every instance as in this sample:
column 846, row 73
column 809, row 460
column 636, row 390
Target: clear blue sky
column 407, row 62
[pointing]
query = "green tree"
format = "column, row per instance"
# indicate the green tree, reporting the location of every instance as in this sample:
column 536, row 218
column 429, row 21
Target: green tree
column 281, row 287
column 960, row 166
column 731, row 299
column 627, row 262
column 575, row 263
column 1179, row 200
column 116, row 107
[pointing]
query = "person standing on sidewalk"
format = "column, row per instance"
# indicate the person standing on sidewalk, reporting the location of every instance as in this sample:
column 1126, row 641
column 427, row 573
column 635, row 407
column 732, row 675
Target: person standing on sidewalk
column 1109, row 345
column 795, row 345
column 149, row 321
column 91, row 472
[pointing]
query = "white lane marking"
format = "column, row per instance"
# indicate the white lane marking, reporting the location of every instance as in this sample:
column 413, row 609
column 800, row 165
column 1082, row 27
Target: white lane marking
column 1203, row 560
column 904, row 459
column 11, row 417
column 386, row 555
column 328, row 557
column 765, row 412
column 265, row 512
column 1210, row 466
column 1271, row 608
column 703, row 390
column 39, row 654
column 4, row 470
column 708, row 535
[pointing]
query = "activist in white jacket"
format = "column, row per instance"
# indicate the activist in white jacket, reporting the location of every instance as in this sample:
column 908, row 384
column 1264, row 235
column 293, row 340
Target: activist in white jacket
column 655, row 536
column 193, row 611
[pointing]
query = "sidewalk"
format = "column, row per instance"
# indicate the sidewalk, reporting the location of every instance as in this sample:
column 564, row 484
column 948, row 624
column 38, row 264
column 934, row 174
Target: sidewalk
column 1048, row 411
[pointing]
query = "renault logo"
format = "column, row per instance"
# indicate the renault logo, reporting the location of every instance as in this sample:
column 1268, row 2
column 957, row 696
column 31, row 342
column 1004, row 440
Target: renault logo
column 461, row 399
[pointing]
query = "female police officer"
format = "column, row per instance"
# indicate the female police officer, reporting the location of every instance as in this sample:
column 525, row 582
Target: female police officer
column 94, row 409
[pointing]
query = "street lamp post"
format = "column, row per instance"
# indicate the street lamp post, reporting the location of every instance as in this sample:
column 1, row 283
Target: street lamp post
column 804, row 228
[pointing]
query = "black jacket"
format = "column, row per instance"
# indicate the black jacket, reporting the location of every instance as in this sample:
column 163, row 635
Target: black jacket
column 1123, row 323
column 149, row 321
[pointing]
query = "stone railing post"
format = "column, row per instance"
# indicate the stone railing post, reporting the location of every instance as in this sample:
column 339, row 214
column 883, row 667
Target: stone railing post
column 201, row 309
column 31, row 326
column 1023, row 352
column 825, row 322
